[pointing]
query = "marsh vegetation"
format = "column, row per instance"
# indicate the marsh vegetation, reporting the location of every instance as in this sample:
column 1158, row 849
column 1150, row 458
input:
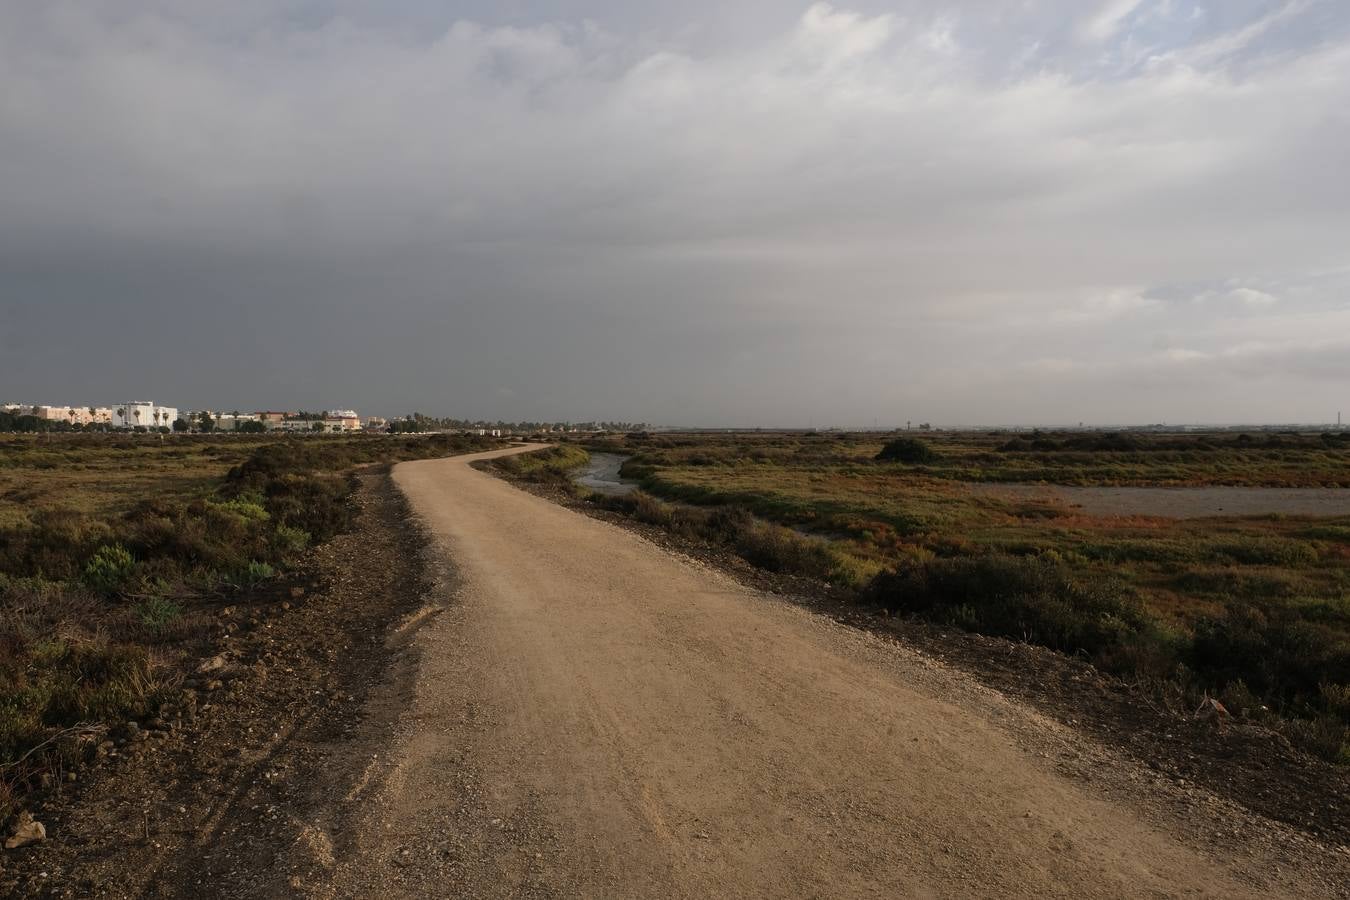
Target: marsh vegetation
column 1251, row 609
column 115, row 552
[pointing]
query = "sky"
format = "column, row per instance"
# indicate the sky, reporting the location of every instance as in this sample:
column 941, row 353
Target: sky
column 712, row 213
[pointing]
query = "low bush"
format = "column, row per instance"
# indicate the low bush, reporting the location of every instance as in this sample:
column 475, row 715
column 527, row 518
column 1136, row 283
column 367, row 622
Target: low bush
column 1273, row 649
column 646, row 508
column 109, row 568
column 780, row 549
column 289, row 541
column 1029, row 599
column 1273, row 653
column 257, row 572
column 157, row 613
column 907, row 450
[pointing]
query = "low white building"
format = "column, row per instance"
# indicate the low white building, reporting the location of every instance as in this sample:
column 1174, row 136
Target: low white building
column 302, row 426
column 220, row 421
column 332, row 423
column 143, row 413
column 231, row 422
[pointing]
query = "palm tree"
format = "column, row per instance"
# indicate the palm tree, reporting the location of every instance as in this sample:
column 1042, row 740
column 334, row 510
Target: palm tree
column 122, row 414
column 136, row 413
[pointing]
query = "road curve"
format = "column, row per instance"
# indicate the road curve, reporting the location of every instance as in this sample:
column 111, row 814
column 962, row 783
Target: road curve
column 596, row 717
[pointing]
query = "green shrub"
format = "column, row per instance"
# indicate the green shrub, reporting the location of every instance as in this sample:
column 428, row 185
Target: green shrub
column 290, row 541
column 109, row 568
column 156, row 613
column 646, row 508
column 1272, row 648
column 728, row 523
column 257, row 572
column 1029, row 599
column 1326, row 735
column 907, row 450
column 780, row 549
column 250, row 509
column 315, row 503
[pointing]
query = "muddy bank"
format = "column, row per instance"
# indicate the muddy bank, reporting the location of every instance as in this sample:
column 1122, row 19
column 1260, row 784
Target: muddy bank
column 601, row 475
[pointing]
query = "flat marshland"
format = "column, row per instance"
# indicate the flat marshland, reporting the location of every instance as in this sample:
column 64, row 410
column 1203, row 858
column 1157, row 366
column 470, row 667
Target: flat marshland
column 116, row 553
column 1114, row 547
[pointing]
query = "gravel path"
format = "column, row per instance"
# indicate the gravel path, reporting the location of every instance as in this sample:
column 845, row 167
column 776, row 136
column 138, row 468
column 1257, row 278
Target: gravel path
column 593, row 716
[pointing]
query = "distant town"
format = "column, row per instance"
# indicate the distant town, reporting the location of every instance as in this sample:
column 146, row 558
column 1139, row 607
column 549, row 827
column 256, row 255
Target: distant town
column 147, row 416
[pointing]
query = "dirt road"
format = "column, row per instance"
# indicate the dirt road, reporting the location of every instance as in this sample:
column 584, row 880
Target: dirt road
column 595, row 717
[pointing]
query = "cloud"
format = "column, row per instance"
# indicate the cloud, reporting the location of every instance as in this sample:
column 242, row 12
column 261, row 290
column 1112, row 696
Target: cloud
column 830, row 37
column 1108, row 19
column 1252, row 297
column 1235, row 293
column 1103, row 306
column 692, row 222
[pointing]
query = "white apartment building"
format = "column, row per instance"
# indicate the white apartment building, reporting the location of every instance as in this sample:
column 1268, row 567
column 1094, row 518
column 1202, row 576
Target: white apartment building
column 69, row 414
column 74, row 415
column 143, row 413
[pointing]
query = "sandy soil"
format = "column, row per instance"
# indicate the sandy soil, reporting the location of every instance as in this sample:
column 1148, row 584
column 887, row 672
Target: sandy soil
column 596, row 717
column 1179, row 503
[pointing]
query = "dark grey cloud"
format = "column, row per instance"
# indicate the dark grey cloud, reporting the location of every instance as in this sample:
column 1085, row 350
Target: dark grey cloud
column 756, row 212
